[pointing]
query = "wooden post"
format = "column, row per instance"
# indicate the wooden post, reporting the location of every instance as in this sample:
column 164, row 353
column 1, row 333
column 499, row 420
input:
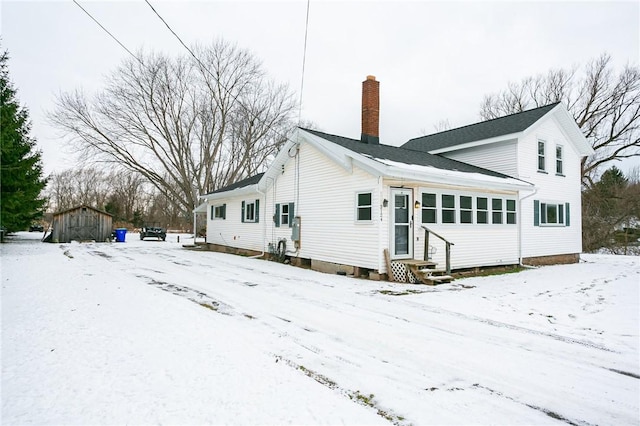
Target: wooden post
column 448, row 249
column 426, row 245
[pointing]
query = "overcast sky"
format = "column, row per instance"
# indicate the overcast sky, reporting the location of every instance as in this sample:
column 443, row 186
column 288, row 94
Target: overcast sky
column 434, row 60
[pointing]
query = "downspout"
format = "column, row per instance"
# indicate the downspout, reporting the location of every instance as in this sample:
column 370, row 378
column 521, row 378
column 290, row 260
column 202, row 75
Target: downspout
column 520, row 200
column 381, row 214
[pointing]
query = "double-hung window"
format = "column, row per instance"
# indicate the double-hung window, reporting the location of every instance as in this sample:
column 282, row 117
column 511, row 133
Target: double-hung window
column 481, row 210
column 284, row 213
column 541, row 156
column 251, row 211
column 363, row 207
column 219, row 212
column 448, row 208
column 511, row 212
column 466, row 209
column 559, row 159
column 428, row 207
column 496, row 210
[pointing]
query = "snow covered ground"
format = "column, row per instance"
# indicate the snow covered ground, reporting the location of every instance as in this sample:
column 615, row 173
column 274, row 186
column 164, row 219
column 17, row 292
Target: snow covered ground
column 147, row 332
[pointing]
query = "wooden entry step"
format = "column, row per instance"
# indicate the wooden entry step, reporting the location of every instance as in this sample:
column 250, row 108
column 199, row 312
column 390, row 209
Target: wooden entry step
column 418, row 263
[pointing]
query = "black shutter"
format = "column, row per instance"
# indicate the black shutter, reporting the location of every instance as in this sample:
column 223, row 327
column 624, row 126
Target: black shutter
column 291, row 214
column 536, row 213
column 212, row 212
column 276, row 216
column 242, row 219
column 224, row 211
column 257, row 211
column 566, row 212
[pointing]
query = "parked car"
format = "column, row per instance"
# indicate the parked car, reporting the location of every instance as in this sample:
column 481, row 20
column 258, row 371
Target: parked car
column 153, row 232
column 36, row 228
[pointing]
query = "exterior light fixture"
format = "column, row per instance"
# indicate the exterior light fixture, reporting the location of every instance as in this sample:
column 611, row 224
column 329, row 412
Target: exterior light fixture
column 417, row 204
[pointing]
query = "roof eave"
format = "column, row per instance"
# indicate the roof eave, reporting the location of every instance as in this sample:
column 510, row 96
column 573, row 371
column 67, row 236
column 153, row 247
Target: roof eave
column 459, row 179
column 481, row 142
column 249, row 189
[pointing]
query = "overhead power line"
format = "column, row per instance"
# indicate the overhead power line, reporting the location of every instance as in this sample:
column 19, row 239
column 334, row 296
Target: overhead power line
column 106, row 31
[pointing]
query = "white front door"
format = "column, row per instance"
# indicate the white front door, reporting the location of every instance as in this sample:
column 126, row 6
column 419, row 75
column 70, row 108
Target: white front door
column 401, row 224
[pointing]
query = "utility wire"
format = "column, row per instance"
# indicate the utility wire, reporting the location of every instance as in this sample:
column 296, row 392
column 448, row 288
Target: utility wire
column 107, row 31
column 304, row 60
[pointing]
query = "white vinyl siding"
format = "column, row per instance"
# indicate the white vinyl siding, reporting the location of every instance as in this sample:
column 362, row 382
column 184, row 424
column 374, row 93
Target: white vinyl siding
column 328, row 209
column 232, row 231
column 500, row 157
column 550, row 188
column 474, row 244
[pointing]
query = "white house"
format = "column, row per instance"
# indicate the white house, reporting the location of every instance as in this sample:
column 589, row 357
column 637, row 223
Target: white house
column 501, row 192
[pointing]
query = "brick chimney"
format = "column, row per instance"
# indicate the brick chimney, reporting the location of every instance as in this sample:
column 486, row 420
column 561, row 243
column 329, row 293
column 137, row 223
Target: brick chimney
column 370, row 111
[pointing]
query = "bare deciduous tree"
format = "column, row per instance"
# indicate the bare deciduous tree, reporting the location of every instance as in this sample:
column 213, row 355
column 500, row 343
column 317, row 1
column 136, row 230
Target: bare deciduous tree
column 605, row 105
column 188, row 126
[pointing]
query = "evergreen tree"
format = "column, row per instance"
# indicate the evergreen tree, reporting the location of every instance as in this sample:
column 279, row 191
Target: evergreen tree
column 21, row 180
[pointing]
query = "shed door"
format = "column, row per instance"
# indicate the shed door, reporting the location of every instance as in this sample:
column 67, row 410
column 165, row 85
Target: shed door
column 401, row 224
column 83, row 226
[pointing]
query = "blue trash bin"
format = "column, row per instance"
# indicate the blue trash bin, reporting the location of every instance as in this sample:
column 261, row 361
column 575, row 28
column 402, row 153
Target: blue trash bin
column 120, row 234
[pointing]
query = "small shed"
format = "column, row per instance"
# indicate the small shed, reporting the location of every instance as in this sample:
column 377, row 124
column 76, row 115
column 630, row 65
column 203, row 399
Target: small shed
column 81, row 223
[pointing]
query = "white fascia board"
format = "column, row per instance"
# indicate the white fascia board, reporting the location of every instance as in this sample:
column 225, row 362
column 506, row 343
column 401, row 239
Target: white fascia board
column 245, row 190
column 429, row 174
column 501, row 138
column 202, row 208
column 338, row 154
column 275, row 168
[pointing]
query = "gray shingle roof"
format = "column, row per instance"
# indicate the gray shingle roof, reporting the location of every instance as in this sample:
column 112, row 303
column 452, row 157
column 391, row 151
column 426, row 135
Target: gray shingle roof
column 252, row 180
column 513, row 123
column 403, row 155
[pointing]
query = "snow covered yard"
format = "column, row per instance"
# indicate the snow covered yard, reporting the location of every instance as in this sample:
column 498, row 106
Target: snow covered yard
column 148, row 332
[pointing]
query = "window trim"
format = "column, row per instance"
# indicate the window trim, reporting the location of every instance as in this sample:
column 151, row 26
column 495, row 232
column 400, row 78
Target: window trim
column 485, row 210
column 246, row 209
column 364, row 207
column 219, row 208
column 499, row 211
column 559, row 160
column 469, row 210
column 424, row 208
column 444, row 209
column 541, row 214
column 542, row 143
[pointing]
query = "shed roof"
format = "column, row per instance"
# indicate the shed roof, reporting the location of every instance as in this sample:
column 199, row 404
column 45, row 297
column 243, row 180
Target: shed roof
column 501, row 126
column 80, row 207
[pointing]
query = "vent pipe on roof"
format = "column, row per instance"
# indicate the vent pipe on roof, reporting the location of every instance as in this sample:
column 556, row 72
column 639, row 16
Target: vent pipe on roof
column 370, row 111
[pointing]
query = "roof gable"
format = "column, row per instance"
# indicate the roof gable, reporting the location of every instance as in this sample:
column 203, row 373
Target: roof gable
column 510, row 124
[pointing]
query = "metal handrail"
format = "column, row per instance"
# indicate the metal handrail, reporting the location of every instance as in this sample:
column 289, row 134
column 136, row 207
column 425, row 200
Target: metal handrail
column 448, row 244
